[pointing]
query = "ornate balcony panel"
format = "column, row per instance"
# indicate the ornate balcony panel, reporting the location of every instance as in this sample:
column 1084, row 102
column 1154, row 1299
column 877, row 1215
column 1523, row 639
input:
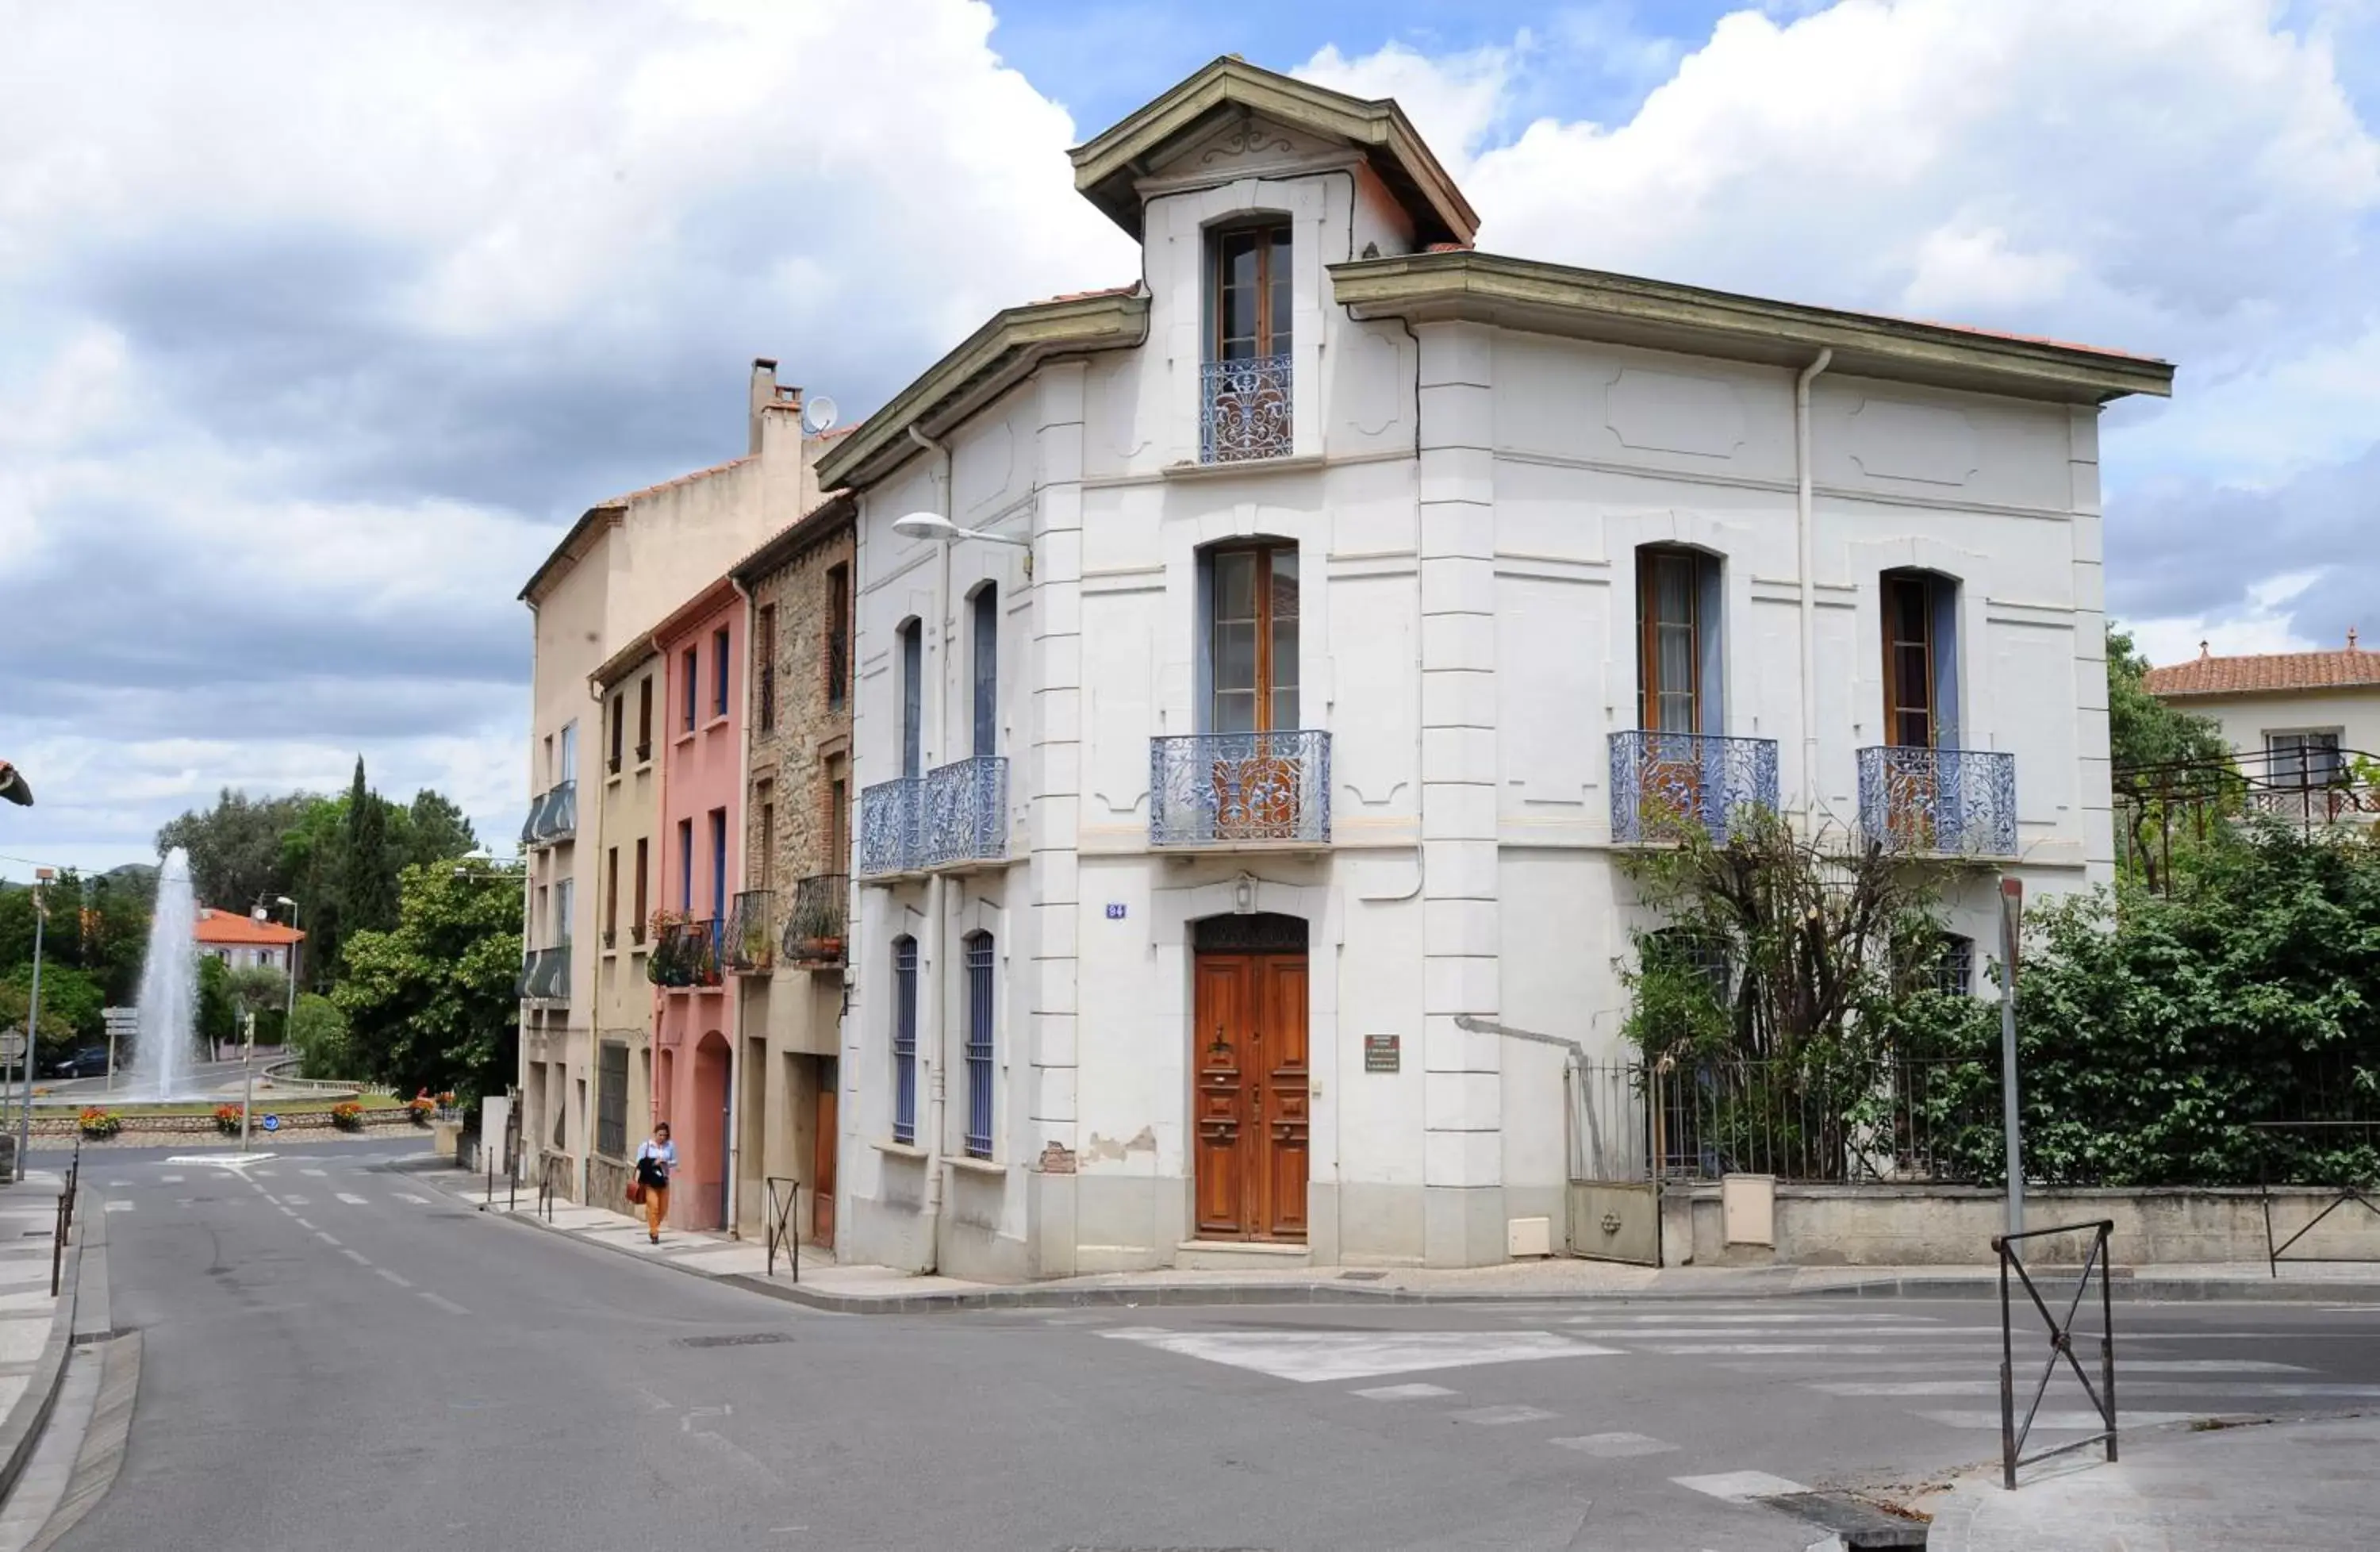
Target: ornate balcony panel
column 963, row 813
column 751, row 938
column 1243, row 410
column 533, row 969
column 888, row 826
column 553, row 816
column 1663, row 781
column 814, row 928
column 1223, row 789
column 1944, row 802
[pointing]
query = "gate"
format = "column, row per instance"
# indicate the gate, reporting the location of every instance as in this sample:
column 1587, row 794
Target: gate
column 1615, row 1196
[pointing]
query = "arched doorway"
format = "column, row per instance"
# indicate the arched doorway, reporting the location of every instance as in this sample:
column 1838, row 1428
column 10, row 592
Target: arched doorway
column 1249, row 1053
column 706, row 1171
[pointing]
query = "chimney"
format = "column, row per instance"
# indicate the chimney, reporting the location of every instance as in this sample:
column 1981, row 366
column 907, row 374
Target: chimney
column 2201, row 649
column 764, row 393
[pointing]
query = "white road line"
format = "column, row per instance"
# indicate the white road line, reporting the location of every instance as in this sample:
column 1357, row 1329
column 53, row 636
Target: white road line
column 119, row 1207
column 1403, row 1392
column 417, row 1201
column 1756, row 1349
column 1306, row 1357
column 2056, row 1421
column 324, row 1238
column 1612, row 1446
column 286, row 1212
column 295, row 1201
column 451, row 1307
column 1736, row 1486
column 169, row 1180
column 117, row 1185
column 391, row 1276
column 1971, row 1364
column 317, row 1174
column 1502, row 1416
column 302, row 1223
column 356, row 1258
column 353, row 1201
column 1903, row 1334
column 1699, row 1317
column 2262, row 1389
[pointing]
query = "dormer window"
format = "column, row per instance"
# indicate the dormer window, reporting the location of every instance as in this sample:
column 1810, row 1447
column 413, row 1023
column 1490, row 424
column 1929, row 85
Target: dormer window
column 1244, row 408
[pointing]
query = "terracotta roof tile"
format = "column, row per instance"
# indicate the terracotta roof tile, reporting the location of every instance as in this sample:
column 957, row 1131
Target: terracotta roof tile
column 1086, row 296
column 681, row 480
column 2251, row 673
column 238, row 926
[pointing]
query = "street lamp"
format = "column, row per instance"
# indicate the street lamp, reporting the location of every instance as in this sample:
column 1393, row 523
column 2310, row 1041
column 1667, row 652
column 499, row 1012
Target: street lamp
column 942, row 530
column 289, row 1011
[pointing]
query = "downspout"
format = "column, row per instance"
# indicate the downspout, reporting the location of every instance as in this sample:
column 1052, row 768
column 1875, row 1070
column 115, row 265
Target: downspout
column 937, row 889
column 594, row 1009
column 1807, row 543
column 735, row 1074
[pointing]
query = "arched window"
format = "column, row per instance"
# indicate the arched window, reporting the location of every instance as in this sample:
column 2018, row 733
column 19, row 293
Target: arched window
column 1921, row 660
column 978, row 1045
column 1679, row 669
column 983, row 617
column 912, row 697
column 905, row 1040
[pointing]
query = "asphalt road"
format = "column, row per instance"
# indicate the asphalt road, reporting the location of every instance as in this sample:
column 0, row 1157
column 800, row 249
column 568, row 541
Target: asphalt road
column 339, row 1354
column 206, row 1076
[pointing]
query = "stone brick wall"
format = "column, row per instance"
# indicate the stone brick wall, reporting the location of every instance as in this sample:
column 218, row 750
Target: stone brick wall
column 795, row 761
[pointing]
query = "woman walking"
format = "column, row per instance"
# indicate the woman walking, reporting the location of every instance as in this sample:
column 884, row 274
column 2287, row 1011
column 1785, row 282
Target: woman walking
column 655, row 1162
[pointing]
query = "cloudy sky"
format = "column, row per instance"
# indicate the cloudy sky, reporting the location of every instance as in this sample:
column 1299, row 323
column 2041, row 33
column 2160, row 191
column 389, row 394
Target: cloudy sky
column 319, row 323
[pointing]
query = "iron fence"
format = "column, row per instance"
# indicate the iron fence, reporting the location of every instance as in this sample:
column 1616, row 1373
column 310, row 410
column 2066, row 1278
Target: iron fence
column 750, row 945
column 1663, row 781
column 963, row 813
column 2304, row 787
column 1207, row 789
column 784, row 1233
column 889, row 814
column 1243, row 410
column 1942, row 802
column 553, row 816
column 685, row 953
column 815, row 926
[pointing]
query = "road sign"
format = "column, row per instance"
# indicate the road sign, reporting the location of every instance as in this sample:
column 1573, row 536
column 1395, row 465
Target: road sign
column 121, row 1018
column 12, row 1045
column 273, row 1123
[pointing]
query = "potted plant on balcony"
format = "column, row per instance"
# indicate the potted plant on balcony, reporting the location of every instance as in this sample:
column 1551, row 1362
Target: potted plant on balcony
column 703, row 953
column 815, row 935
column 666, row 966
column 752, row 943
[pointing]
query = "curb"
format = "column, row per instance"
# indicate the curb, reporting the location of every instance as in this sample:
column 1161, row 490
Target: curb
column 22, row 1429
column 2125, row 1287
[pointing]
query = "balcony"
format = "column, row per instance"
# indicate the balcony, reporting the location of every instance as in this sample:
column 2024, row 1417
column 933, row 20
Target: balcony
column 1243, row 410
column 963, row 814
column 888, row 826
column 553, row 816
column 952, row 815
column 1663, row 783
column 750, row 944
column 545, row 974
column 814, row 928
column 1240, row 789
column 1938, row 802
column 687, row 954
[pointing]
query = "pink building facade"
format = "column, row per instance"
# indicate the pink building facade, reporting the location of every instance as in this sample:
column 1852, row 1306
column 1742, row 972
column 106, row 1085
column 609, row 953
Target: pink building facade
column 694, row 1033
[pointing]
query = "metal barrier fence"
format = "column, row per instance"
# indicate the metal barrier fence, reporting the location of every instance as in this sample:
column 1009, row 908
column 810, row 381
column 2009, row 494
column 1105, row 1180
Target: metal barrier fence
column 2062, row 1346
column 553, row 1181
column 2345, row 1153
column 65, row 1225
column 784, row 1192
column 1872, row 1122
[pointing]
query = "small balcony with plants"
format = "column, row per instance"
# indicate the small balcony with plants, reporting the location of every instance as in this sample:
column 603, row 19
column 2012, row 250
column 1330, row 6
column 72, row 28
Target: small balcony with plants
column 814, row 928
column 1946, row 803
column 751, row 945
column 686, row 952
column 1665, row 785
column 1240, row 791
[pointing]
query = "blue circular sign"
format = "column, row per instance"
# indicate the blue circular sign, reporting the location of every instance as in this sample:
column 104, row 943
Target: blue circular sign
column 273, row 1123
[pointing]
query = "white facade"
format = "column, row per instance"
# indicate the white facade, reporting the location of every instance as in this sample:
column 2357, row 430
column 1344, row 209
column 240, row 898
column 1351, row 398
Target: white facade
column 1465, row 498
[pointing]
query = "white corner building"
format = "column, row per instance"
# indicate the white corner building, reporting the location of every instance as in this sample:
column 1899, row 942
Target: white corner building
column 1236, row 862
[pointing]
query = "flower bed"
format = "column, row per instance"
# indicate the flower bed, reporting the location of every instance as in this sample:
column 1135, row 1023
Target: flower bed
column 98, row 1124
column 227, row 1120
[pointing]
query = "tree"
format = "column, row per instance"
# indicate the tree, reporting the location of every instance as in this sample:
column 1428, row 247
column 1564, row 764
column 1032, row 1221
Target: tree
column 235, row 847
column 218, row 1012
column 262, row 992
column 318, row 1033
column 367, row 880
column 2142, row 730
column 57, row 1035
column 436, row 830
column 434, row 1003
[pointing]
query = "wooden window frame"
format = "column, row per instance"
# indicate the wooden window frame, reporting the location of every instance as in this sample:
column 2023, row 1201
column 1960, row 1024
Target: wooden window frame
column 644, row 886
column 836, row 650
column 1650, row 688
column 644, row 719
column 1273, row 336
column 1896, row 704
column 1266, row 683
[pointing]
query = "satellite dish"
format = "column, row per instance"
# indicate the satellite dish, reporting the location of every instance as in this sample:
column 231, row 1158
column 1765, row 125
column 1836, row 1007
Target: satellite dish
column 818, row 414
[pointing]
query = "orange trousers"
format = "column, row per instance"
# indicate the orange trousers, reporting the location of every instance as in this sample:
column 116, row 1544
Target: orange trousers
column 656, row 1208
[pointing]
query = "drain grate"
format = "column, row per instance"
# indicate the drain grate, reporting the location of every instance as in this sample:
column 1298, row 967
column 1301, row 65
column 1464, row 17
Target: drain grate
column 744, row 1339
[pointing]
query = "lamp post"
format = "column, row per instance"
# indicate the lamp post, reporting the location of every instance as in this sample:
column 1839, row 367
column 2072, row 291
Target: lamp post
column 32, row 1021
column 289, row 1008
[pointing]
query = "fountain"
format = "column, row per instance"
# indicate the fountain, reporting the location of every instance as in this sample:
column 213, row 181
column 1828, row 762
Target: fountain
column 160, row 1066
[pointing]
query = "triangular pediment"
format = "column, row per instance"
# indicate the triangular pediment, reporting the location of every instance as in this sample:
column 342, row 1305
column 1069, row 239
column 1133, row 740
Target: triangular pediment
column 1231, row 114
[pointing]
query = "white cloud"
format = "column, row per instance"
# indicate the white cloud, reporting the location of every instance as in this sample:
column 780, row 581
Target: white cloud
column 1452, row 100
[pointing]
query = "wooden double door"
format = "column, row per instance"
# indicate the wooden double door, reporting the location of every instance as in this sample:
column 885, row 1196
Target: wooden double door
column 1249, row 1053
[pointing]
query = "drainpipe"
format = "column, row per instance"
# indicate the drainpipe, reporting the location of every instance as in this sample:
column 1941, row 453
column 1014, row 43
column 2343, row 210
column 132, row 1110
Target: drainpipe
column 937, row 888
column 735, row 1074
column 1809, row 547
column 594, row 1009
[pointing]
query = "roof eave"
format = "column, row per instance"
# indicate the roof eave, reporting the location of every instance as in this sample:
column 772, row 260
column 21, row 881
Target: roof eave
column 788, row 543
column 566, row 551
column 1107, row 165
column 1626, row 308
column 986, row 362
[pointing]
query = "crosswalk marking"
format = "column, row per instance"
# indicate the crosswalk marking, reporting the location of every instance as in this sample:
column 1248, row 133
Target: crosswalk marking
column 1968, row 1365
column 1613, row 1447
column 1756, row 1349
column 169, row 1180
column 1697, row 1318
column 295, row 1201
column 1306, row 1357
column 1501, row 1416
column 1403, row 1392
column 317, row 1174
column 2056, row 1421
column 119, row 1207
column 1736, row 1486
column 416, row 1201
column 2145, row 1387
column 353, row 1201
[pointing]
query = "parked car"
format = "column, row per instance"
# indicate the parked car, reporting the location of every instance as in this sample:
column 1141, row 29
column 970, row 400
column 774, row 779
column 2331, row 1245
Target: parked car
column 89, row 1063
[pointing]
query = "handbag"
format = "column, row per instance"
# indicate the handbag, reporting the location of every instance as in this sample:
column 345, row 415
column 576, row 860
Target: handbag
column 637, row 1191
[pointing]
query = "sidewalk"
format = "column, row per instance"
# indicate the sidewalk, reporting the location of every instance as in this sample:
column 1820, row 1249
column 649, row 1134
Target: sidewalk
column 824, row 1283
column 2301, row 1485
column 36, row 1331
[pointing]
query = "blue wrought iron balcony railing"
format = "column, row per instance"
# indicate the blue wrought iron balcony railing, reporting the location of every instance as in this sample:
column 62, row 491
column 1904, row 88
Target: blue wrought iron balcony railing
column 1945, row 802
column 1663, row 782
column 1243, row 410
column 1223, row 789
column 553, row 816
column 888, row 826
column 963, row 813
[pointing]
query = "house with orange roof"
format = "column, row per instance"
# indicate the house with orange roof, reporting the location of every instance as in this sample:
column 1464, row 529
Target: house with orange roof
column 240, row 940
column 2298, row 722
